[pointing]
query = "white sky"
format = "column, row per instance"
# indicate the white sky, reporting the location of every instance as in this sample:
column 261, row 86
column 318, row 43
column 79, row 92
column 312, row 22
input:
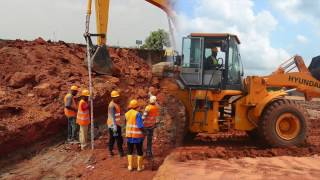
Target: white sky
column 270, row 31
column 130, row 20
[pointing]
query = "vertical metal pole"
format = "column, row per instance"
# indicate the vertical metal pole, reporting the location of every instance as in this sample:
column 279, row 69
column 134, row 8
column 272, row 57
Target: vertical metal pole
column 90, row 72
column 171, row 31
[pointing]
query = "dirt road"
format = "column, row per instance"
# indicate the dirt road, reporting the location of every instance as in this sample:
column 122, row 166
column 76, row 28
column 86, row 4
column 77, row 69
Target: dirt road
column 66, row 161
column 284, row 167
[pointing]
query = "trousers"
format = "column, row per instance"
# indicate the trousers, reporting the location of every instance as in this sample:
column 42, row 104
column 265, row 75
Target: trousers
column 83, row 136
column 117, row 138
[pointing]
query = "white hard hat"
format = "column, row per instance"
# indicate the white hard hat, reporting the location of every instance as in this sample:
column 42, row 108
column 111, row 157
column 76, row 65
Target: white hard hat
column 153, row 99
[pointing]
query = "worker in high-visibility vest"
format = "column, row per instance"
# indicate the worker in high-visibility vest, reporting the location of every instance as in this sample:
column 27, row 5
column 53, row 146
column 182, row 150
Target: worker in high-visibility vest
column 83, row 118
column 134, row 134
column 70, row 111
column 150, row 118
column 114, row 123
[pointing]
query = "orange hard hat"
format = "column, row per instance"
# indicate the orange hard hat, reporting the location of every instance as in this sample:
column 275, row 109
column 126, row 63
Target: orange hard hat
column 85, row 92
column 133, row 104
column 74, row 88
column 115, row 94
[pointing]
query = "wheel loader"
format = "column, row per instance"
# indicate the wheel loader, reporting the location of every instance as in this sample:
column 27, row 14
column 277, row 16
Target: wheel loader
column 218, row 98
column 216, row 94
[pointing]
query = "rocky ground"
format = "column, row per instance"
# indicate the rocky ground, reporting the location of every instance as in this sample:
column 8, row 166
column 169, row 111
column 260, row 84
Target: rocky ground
column 35, row 76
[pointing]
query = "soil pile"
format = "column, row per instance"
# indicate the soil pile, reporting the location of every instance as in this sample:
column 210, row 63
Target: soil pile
column 36, row 75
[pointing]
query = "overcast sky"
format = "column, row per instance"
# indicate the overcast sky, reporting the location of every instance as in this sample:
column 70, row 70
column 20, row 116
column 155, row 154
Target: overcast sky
column 270, row 30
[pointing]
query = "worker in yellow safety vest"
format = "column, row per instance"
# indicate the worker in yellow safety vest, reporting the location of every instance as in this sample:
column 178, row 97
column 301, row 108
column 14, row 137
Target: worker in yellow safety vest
column 150, row 118
column 114, row 123
column 134, row 134
column 70, row 111
column 83, row 118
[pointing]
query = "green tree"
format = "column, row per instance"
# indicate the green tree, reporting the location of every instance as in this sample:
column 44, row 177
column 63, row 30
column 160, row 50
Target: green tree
column 157, row 40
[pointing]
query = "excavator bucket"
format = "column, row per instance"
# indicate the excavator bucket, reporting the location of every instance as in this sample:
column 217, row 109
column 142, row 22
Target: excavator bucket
column 101, row 61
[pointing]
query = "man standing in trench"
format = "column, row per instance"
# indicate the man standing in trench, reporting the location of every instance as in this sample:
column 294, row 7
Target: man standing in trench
column 114, row 124
column 70, row 110
column 83, row 118
column 134, row 134
column 150, row 119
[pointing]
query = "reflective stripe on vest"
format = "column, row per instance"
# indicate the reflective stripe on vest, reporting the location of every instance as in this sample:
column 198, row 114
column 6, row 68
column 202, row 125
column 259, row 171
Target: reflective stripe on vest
column 68, row 112
column 132, row 130
column 153, row 113
column 117, row 114
column 83, row 117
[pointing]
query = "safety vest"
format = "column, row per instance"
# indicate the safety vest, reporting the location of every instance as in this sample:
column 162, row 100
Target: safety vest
column 132, row 130
column 117, row 114
column 153, row 113
column 68, row 112
column 214, row 60
column 83, row 117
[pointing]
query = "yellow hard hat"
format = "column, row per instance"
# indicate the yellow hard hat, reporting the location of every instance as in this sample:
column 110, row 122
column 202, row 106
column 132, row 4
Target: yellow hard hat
column 133, row 104
column 115, row 94
column 85, row 92
column 74, row 88
column 214, row 49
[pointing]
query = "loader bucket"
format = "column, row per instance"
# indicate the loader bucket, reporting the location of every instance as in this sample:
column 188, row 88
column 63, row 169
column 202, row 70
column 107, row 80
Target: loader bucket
column 314, row 67
column 101, row 61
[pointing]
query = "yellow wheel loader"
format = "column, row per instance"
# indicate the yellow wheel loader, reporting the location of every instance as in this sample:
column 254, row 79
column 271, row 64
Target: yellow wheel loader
column 212, row 87
column 218, row 98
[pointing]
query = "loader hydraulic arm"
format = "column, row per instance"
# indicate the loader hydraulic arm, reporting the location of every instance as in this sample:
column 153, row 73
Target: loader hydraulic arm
column 300, row 79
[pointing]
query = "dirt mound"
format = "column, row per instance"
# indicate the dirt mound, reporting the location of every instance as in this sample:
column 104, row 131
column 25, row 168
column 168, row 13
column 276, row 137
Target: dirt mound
column 35, row 76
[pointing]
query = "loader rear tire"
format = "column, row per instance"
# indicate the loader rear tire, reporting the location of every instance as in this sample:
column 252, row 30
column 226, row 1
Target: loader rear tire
column 284, row 123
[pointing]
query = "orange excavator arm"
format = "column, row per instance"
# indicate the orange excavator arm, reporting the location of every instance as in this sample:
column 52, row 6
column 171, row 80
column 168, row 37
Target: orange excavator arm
column 102, row 15
column 99, row 54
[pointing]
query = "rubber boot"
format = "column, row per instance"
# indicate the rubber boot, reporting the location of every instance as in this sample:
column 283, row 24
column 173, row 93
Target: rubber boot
column 130, row 160
column 140, row 163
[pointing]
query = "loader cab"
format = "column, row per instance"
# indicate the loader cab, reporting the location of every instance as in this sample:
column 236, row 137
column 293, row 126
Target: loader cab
column 211, row 61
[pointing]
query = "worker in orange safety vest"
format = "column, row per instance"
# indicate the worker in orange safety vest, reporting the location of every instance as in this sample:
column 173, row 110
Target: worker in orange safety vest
column 70, row 111
column 150, row 119
column 114, row 124
column 134, row 134
column 83, row 118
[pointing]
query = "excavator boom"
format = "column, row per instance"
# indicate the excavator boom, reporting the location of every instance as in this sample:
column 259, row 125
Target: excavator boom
column 100, row 57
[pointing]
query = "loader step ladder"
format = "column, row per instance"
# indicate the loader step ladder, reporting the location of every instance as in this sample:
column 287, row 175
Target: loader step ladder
column 197, row 109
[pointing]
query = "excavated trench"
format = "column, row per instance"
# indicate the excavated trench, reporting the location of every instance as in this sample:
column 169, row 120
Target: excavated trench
column 35, row 75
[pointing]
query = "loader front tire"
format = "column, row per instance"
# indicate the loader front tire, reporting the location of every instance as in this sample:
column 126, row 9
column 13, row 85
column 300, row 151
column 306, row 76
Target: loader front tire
column 283, row 124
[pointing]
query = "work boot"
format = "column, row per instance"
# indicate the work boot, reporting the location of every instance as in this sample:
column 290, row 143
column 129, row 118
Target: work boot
column 149, row 154
column 111, row 153
column 140, row 163
column 130, row 162
column 121, row 154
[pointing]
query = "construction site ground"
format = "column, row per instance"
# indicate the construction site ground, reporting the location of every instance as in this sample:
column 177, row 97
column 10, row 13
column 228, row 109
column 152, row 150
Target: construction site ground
column 35, row 76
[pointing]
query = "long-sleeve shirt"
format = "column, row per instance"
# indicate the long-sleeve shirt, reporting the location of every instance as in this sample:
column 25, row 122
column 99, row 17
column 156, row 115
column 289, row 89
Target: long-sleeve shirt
column 112, row 112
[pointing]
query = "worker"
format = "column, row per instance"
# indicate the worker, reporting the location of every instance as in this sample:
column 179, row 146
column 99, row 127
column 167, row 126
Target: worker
column 152, row 91
column 150, row 119
column 83, row 118
column 114, row 123
column 70, row 111
column 212, row 61
column 134, row 134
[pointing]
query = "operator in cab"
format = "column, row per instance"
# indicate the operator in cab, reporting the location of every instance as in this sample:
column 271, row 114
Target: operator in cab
column 212, row 61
